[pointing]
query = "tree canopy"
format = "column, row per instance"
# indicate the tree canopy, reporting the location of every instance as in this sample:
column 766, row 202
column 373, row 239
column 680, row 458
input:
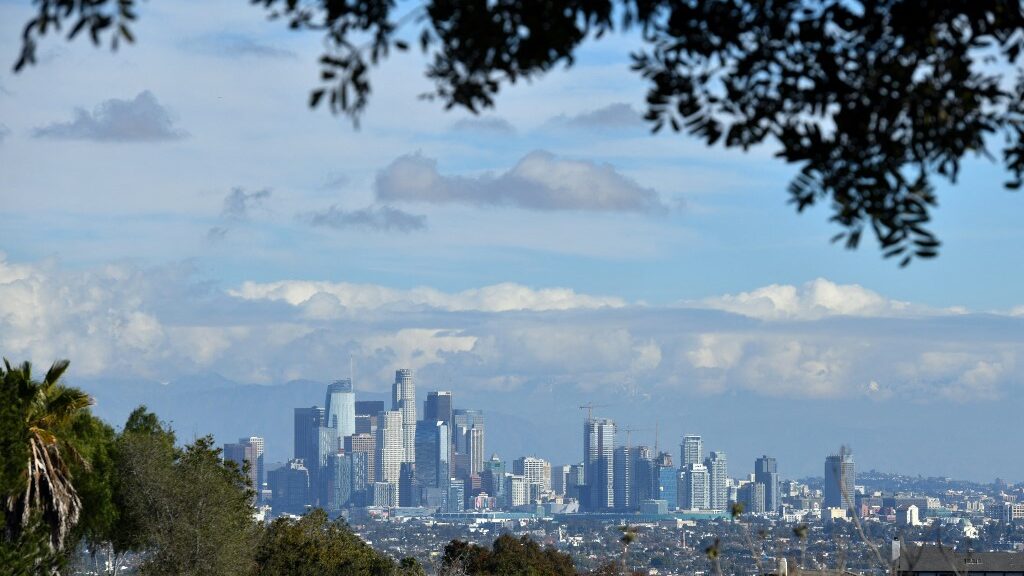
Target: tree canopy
column 508, row 555
column 314, row 545
column 870, row 99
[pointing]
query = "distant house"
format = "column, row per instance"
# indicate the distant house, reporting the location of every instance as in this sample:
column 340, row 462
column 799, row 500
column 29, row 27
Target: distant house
column 931, row 560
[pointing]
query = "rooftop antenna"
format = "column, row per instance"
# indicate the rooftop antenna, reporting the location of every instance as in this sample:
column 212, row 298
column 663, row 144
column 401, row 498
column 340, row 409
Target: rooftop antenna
column 351, row 372
column 656, row 431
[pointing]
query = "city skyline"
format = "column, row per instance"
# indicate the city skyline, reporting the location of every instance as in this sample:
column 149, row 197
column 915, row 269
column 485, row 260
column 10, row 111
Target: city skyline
column 442, row 467
column 356, row 453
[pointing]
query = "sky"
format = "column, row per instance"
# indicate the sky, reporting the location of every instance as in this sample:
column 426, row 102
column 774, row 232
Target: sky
column 174, row 214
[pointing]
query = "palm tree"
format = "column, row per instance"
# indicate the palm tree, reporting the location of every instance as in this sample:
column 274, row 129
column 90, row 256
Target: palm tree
column 46, row 493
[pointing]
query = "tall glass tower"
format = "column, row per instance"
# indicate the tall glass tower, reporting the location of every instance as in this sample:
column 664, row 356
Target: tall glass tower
column 307, row 423
column 438, row 407
column 599, row 462
column 840, row 476
column 340, row 410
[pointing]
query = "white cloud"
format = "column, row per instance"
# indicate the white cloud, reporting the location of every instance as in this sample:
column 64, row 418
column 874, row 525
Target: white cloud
column 497, row 298
column 540, row 181
column 162, row 324
column 417, row 347
column 92, row 317
column 816, row 299
column 962, row 373
column 773, row 365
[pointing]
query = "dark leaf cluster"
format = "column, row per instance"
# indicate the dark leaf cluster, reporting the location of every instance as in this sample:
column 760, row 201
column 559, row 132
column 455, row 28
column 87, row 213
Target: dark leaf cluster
column 870, row 99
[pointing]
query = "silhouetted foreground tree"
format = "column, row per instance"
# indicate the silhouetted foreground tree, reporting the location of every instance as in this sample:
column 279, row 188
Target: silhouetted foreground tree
column 313, row 545
column 508, row 555
column 186, row 510
column 869, row 98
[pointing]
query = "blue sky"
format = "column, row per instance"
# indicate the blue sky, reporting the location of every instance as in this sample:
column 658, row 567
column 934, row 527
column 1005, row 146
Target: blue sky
column 195, row 217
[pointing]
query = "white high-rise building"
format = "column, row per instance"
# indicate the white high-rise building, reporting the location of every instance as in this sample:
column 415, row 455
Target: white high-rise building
column 475, row 450
column 691, row 451
column 718, row 480
column 403, row 400
column 517, row 490
column 534, row 470
column 340, row 409
column 693, row 490
column 390, row 451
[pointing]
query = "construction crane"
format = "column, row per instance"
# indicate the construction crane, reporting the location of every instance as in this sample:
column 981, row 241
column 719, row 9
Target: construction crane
column 589, row 406
column 628, row 430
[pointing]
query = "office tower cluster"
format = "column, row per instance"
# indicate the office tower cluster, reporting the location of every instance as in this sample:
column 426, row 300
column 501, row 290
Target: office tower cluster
column 622, row 477
column 360, row 453
column 352, row 453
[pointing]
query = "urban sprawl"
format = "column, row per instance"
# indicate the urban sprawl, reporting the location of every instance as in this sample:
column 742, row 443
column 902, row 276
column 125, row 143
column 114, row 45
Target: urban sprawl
column 428, row 477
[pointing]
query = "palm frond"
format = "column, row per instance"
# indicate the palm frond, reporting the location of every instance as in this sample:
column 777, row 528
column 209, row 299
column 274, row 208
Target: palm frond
column 56, row 371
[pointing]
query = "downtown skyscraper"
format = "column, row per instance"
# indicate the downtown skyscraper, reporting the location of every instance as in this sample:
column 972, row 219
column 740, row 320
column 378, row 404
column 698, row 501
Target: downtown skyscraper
column 599, row 463
column 438, row 407
column 433, row 446
column 403, row 401
column 248, row 451
column 766, row 472
column 390, row 447
column 840, row 476
column 469, row 439
column 718, row 477
column 693, row 488
column 691, row 451
column 340, row 408
column 307, row 424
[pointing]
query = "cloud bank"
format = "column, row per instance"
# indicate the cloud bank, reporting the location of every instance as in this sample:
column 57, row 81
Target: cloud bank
column 164, row 323
column 142, row 119
column 816, row 299
column 539, row 181
column 497, row 298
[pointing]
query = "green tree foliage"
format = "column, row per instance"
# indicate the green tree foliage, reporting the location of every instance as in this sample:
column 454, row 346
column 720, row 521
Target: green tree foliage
column 315, row 546
column 410, row 566
column 41, row 487
column 507, row 557
column 145, row 468
column 196, row 517
column 30, row 553
column 869, row 100
column 94, row 478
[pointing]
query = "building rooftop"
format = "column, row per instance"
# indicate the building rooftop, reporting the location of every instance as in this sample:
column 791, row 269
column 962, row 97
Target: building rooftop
column 930, row 558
